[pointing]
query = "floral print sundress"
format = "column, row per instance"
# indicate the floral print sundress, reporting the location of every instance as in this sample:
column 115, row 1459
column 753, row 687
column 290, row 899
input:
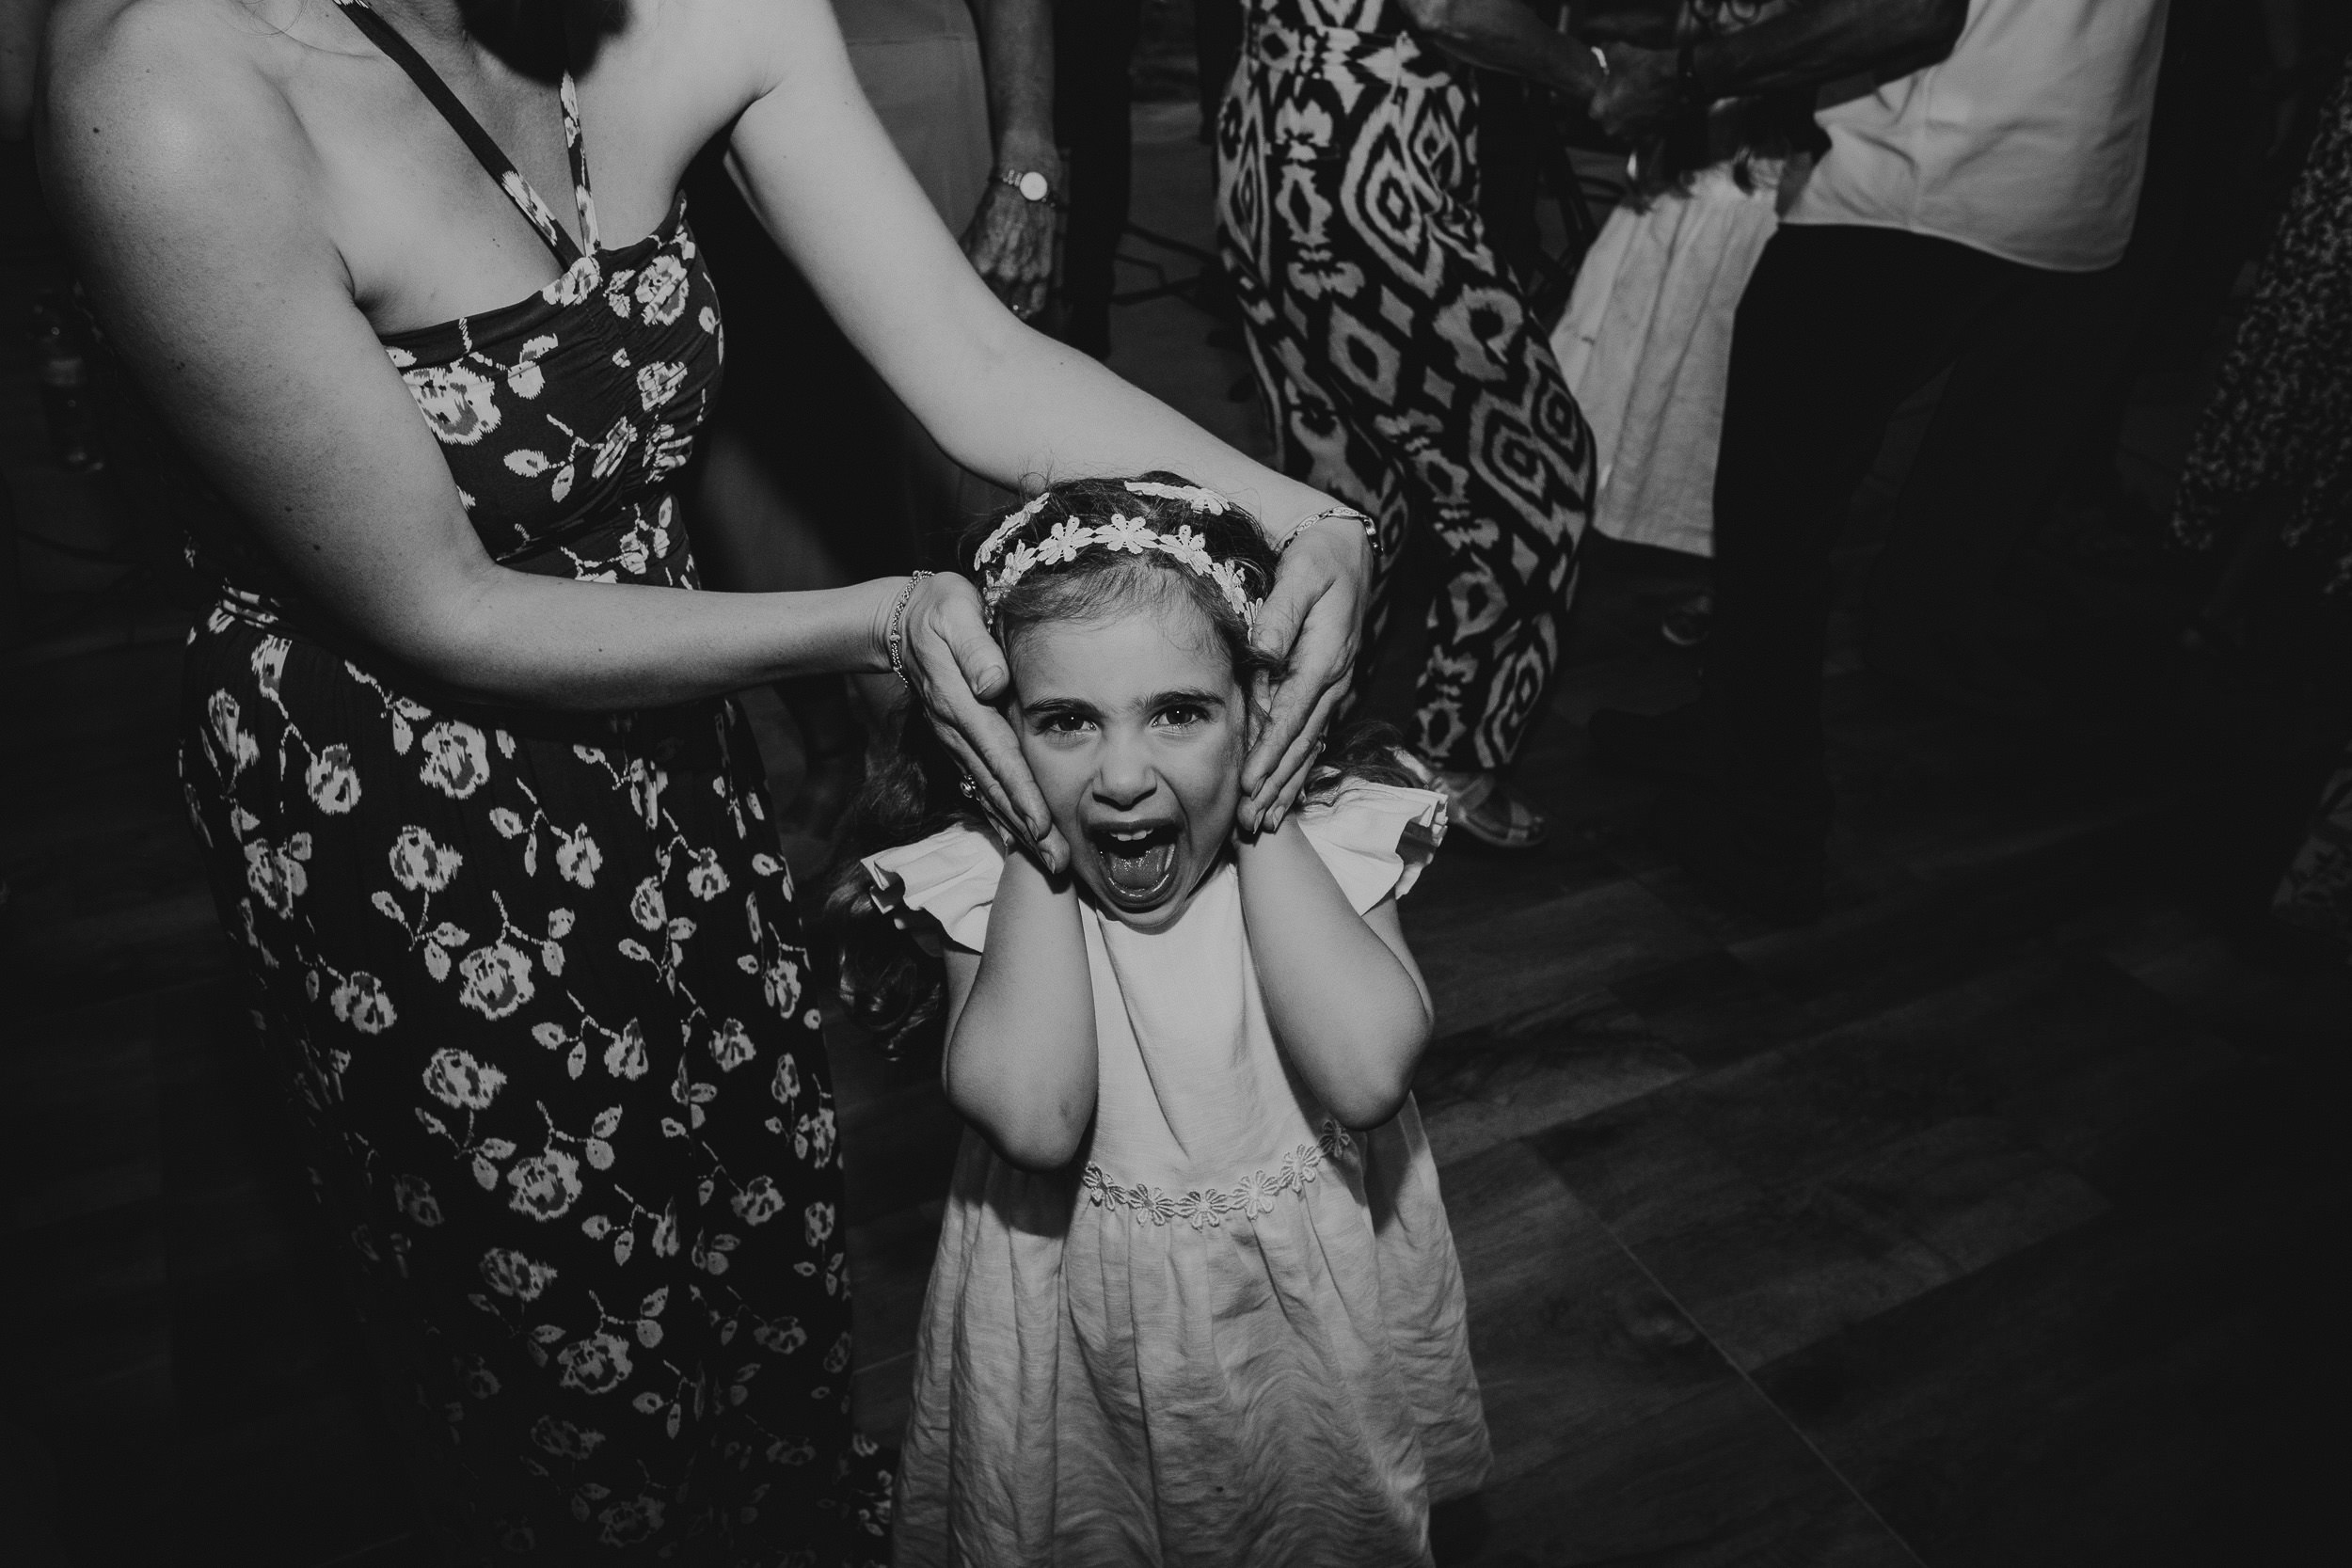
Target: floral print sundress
column 535, row 981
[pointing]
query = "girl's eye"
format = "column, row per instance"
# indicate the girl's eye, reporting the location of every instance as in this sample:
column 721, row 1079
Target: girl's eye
column 1183, row 715
column 1064, row 724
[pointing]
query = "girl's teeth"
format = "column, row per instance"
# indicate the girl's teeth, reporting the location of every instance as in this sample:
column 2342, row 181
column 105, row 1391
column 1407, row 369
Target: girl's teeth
column 1138, row 863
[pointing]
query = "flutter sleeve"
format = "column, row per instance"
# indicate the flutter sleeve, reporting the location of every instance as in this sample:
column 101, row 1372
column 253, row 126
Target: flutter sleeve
column 1375, row 839
column 951, row 877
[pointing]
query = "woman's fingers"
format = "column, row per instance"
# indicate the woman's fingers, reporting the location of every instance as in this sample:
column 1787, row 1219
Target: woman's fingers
column 1312, row 618
column 962, row 674
column 1280, row 791
column 1050, row 849
column 998, row 805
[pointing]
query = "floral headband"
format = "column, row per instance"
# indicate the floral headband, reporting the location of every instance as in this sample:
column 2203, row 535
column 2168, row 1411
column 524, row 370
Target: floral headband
column 1135, row 535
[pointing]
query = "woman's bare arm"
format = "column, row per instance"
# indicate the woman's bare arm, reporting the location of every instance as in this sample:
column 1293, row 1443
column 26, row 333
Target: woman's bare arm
column 192, row 199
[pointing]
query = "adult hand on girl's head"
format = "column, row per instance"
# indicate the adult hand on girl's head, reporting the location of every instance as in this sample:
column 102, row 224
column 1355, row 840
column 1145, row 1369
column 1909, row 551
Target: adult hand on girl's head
column 958, row 673
column 1314, row 616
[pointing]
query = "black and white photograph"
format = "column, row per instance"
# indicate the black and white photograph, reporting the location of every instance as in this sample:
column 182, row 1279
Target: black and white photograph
column 1174, row 783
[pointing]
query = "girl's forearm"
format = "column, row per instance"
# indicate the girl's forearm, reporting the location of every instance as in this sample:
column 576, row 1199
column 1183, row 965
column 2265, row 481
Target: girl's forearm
column 1020, row 1053
column 1350, row 1013
column 545, row 641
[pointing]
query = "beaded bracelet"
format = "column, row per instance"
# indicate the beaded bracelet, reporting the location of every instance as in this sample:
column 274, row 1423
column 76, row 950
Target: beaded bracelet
column 1371, row 529
column 898, row 630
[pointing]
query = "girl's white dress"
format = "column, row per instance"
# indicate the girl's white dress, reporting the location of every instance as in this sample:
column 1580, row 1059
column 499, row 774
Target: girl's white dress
column 1231, row 1333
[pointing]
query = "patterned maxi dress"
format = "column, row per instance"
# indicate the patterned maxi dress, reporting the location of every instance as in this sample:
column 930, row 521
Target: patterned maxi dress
column 1402, row 366
column 533, row 979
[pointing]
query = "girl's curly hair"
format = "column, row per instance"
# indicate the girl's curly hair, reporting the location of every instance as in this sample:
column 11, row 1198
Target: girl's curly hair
column 892, row 987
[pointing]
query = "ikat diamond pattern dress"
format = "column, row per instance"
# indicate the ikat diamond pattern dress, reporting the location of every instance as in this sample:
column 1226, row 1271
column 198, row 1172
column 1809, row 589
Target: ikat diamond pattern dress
column 535, row 981
column 1402, row 368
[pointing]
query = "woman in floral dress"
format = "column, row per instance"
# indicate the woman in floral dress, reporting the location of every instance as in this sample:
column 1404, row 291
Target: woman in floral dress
column 488, row 833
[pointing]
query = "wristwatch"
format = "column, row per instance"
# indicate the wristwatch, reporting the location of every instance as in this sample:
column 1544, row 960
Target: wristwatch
column 1032, row 185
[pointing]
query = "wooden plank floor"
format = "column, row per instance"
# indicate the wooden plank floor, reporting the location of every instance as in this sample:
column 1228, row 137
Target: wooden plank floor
column 1981, row 1223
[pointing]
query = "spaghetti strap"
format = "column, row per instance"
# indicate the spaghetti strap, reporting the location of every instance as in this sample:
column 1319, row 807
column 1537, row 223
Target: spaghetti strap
column 486, row 149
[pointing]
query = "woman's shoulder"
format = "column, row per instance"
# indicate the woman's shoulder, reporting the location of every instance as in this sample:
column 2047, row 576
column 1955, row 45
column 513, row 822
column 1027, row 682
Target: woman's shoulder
column 165, row 95
column 167, row 53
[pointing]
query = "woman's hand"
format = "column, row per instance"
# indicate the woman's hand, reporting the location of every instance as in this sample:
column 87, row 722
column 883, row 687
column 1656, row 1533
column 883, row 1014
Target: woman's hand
column 959, row 673
column 1314, row 616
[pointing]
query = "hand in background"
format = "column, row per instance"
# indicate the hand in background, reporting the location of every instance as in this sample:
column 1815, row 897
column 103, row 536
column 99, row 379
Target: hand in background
column 1638, row 95
column 1010, row 243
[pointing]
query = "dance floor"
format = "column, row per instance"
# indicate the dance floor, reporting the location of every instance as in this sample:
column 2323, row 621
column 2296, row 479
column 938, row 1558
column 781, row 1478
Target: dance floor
column 1981, row 1225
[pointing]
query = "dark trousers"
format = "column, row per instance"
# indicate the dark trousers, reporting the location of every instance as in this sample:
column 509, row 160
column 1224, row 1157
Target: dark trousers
column 2028, row 383
column 1838, row 325
column 2042, row 388
column 1094, row 48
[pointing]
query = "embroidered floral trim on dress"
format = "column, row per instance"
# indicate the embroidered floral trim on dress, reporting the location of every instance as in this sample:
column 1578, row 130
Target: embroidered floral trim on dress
column 1253, row 1195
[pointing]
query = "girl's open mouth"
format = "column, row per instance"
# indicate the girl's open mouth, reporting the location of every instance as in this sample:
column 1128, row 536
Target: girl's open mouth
column 1139, row 864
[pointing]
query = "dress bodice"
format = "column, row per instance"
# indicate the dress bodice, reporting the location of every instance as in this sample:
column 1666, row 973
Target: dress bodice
column 564, row 416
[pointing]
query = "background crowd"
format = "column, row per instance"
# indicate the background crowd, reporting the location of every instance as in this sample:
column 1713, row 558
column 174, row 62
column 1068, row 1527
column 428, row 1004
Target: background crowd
column 1447, row 334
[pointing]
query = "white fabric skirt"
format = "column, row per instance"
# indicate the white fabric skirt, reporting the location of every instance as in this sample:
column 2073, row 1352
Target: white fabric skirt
column 1645, row 345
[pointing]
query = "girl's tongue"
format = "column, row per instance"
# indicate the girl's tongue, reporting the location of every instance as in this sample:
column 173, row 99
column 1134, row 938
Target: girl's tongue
column 1137, row 865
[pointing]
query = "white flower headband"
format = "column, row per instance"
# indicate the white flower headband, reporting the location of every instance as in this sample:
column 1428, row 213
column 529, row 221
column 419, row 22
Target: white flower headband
column 1135, row 535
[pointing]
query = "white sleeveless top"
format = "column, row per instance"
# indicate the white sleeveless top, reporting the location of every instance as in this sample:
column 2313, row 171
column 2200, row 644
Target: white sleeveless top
column 1231, row 1333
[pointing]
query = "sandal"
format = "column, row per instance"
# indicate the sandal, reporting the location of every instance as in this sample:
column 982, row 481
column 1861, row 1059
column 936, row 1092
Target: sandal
column 1482, row 805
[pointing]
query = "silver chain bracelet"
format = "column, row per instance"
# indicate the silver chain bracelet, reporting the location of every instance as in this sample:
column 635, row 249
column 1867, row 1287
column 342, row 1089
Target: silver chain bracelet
column 1371, row 529
column 898, row 631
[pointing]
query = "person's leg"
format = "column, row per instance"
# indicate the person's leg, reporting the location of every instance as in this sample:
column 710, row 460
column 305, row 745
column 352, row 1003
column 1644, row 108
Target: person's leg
column 1407, row 373
column 2036, row 395
column 1837, row 325
column 2020, row 394
column 1094, row 46
column 1502, row 465
column 1266, row 253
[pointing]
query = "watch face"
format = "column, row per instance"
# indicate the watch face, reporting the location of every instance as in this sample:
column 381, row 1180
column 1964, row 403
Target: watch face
column 1033, row 186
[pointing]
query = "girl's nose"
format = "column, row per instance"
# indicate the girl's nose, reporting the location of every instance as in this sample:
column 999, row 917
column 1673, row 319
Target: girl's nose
column 1126, row 778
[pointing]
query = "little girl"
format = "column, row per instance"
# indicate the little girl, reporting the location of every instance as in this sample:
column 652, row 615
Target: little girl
column 1196, row 1300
